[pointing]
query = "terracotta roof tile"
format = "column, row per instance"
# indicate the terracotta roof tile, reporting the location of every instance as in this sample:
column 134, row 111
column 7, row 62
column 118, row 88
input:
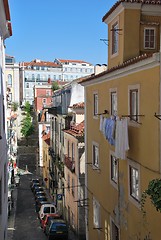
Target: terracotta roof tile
column 71, row 61
column 41, row 63
column 124, row 64
column 78, row 105
column 76, row 130
column 157, row 2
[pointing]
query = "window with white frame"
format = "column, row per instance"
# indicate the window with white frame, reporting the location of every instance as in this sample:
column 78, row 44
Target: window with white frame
column 113, row 96
column 48, row 93
column 114, row 169
column 96, row 213
column 115, row 38
column 95, row 153
column 27, row 85
column 134, row 182
column 95, row 98
column 149, row 38
column 114, row 231
column 9, row 79
column 134, row 102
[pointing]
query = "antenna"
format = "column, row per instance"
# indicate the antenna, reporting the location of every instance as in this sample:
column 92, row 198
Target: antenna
column 104, row 40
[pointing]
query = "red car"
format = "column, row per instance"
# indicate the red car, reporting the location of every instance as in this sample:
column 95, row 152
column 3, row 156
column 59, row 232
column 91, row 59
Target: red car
column 45, row 219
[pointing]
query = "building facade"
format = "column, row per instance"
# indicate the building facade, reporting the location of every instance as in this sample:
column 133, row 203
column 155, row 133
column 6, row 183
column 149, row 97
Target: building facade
column 5, row 32
column 74, row 172
column 12, row 79
column 122, row 126
column 37, row 72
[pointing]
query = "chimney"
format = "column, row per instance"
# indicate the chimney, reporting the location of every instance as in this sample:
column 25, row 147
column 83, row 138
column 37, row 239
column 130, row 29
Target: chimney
column 49, row 80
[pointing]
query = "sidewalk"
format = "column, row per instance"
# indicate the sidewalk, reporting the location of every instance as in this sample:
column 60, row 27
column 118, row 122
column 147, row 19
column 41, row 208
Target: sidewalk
column 11, row 218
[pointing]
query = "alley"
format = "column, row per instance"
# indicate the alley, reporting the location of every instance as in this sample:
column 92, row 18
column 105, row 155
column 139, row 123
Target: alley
column 23, row 222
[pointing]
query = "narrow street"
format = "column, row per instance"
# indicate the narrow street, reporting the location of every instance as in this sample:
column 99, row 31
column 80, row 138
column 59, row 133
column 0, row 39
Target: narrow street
column 23, row 222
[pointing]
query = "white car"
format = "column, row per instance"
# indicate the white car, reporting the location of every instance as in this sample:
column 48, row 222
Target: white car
column 46, row 209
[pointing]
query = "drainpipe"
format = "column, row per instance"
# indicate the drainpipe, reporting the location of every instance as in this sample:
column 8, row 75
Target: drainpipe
column 86, row 166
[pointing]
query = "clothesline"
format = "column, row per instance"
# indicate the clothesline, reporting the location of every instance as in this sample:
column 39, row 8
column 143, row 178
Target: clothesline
column 115, row 131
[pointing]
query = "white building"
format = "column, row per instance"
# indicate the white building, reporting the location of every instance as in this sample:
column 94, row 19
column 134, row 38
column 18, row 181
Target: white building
column 38, row 72
column 12, row 79
column 73, row 69
column 5, row 32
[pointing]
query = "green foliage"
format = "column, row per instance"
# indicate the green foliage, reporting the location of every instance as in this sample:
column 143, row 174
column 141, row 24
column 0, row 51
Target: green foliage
column 27, row 127
column 14, row 106
column 55, row 86
column 154, row 192
column 27, row 107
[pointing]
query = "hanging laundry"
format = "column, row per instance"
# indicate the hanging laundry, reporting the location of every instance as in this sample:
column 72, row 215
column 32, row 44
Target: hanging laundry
column 101, row 123
column 121, row 138
column 108, row 129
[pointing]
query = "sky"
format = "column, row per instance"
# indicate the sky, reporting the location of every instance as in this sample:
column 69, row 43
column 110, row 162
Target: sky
column 62, row 29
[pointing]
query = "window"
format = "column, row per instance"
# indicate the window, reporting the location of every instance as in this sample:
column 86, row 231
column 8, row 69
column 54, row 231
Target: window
column 73, row 153
column 114, row 169
column 113, row 103
column 96, row 213
column 68, row 148
column 134, row 182
column 149, row 38
column 44, row 100
column 72, row 219
column 73, row 183
column 95, row 96
column 114, row 231
column 10, row 97
column 9, row 79
column 95, row 155
column 33, row 76
column 115, row 38
column 27, row 85
column 68, row 183
column 47, row 92
column 134, row 104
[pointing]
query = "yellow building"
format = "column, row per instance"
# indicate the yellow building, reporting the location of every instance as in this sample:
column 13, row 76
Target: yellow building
column 121, row 128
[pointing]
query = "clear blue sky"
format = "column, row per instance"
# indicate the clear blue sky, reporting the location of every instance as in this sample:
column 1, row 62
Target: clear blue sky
column 58, row 29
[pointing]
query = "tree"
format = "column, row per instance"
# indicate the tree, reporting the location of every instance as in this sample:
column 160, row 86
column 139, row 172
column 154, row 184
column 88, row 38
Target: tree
column 55, row 86
column 27, row 127
column 27, row 107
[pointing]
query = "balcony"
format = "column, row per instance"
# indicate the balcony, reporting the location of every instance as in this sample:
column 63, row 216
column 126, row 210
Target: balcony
column 69, row 163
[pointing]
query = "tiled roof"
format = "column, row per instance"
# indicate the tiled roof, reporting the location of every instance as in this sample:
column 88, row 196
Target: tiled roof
column 76, row 130
column 41, row 63
column 71, row 61
column 154, row 2
column 78, row 105
column 7, row 11
column 124, row 64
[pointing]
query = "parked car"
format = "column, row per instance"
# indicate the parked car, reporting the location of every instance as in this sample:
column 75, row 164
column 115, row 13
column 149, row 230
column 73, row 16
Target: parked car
column 39, row 204
column 39, row 194
column 57, row 229
column 46, row 209
column 34, row 181
column 40, row 199
column 48, row 217
column 38, row 189
column 34, row 185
